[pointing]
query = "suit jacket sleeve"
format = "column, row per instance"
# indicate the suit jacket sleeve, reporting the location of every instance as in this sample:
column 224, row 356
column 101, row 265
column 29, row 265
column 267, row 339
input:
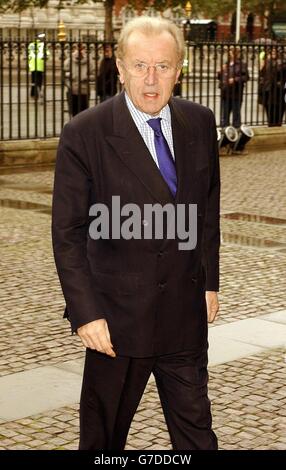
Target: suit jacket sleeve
column 71, row 200
column 212, row 229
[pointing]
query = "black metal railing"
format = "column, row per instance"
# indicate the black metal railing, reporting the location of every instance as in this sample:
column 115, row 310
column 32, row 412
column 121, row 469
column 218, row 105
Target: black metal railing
column 37, row 99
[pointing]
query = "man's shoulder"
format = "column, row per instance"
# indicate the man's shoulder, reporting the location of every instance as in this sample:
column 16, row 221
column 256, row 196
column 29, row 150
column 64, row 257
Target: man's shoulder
column 191, row 109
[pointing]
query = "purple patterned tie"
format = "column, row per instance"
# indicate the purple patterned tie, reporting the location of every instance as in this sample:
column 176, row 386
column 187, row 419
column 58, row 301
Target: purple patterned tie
column 165, row 159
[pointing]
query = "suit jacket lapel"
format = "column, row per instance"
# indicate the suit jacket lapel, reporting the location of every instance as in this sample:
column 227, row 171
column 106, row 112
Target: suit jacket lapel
column 131, row 149
column 184, row 146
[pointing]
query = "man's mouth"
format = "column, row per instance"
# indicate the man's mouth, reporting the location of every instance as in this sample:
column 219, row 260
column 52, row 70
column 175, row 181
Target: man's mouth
column 151, row 95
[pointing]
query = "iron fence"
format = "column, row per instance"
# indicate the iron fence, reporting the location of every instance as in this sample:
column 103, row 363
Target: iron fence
column 37, row 105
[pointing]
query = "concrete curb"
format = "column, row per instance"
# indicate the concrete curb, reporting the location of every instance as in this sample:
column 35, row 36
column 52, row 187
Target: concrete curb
column 268, row 138
column 28, row 152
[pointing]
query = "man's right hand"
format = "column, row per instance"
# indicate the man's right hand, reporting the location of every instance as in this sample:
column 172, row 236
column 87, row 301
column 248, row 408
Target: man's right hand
column 95, row 335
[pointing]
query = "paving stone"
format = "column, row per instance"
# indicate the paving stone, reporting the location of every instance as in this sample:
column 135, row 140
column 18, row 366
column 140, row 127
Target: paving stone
column 6, row 443
column 7, row 433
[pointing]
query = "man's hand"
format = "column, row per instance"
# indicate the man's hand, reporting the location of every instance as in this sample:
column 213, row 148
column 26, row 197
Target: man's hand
column 95, row 335
column 212, row 305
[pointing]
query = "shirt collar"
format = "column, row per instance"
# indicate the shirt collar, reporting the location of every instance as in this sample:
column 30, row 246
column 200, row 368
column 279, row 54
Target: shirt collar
column 142, row 118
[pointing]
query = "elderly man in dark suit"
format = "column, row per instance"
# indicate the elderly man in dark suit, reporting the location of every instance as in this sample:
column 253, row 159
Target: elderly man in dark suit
column 140, row 304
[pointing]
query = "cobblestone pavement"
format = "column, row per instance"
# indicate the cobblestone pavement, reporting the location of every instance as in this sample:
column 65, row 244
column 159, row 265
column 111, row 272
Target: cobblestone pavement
column 247, row 394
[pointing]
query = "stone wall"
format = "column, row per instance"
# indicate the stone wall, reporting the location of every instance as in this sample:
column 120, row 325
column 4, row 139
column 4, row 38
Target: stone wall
column 86, row 16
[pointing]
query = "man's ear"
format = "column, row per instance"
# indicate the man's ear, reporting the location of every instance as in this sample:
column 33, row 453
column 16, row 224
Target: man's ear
column 178, row 74
column 121, row 71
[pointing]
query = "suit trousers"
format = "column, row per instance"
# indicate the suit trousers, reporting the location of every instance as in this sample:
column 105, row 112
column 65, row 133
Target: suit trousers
column 112, row 389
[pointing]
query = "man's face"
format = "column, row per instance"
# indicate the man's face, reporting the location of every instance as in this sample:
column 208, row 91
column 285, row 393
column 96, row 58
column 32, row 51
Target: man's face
column 274, row 53
column 108, row 52
column 151, row 92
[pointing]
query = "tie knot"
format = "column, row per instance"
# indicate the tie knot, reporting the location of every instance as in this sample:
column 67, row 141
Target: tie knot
column 155, row 124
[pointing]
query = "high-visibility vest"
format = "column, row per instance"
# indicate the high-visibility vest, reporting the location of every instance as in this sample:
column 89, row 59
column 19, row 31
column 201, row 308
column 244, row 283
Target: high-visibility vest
column 262, row 55
column 36, row 54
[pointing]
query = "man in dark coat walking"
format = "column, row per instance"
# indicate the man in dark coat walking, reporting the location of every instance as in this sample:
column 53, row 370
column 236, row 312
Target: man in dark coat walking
column 140, row 299
column 232, row 78
column 106, row 82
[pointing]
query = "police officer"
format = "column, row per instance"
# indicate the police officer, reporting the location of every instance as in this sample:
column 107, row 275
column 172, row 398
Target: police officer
column 36, row 60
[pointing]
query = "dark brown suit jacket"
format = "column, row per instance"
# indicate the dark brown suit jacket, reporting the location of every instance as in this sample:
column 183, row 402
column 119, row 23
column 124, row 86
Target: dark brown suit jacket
column 151, row 293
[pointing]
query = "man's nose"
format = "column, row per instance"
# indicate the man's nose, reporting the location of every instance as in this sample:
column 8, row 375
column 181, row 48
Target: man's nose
column 150, row 77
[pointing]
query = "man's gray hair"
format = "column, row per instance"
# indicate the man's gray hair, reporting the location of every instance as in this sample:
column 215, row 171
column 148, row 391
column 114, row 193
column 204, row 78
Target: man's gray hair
column 151, row 26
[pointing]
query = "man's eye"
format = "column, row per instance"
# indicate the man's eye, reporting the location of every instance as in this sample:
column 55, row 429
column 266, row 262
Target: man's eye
column 140, row 66
column 162, row 67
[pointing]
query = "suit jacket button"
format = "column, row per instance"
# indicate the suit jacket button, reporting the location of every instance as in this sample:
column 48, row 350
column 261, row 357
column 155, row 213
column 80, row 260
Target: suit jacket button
column 160, row 254
column 162, row 285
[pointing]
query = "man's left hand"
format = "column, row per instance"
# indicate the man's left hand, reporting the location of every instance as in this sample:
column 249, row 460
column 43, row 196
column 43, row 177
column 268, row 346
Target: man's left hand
column 212, row 305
